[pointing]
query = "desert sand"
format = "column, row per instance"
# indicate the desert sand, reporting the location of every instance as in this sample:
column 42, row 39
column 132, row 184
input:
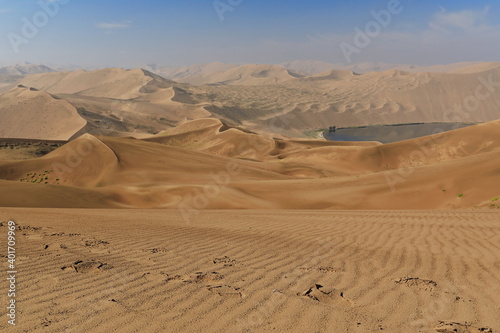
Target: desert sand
column 257, row 271
column 206, row 164
column 270, row 98
column 33, row 114
column 149, row 205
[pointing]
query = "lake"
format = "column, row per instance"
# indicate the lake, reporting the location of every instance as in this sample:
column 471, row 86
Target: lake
column 390, row 133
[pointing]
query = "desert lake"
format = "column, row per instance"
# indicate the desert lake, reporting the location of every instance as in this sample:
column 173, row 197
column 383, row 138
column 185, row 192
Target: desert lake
column 390, row 133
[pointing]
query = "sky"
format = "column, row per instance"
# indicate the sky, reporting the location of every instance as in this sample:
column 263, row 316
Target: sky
column 122, row 33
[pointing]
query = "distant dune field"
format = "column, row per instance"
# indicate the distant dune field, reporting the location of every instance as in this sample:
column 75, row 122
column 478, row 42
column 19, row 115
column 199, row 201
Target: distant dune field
column 269, row 98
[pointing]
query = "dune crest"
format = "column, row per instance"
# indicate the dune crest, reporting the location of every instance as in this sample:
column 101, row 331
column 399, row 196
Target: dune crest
column 242, row 169
column 28, row 113
column 271, row 98
column 244, row 76
column 109, row 83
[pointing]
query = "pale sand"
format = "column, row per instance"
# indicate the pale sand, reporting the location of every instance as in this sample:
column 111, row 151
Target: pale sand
column 117, row 102
column 256, row 271
column 205, row 164
column 28, row 113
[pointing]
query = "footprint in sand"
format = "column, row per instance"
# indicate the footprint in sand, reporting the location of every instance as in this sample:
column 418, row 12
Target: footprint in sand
column 317, row 293
column 453, row 327
column 63, row 234
column 157, row 250
column 322, row 269
column 157, row 277
column 201, row 277
column 54, row 247
column 96, row 245
column 198, row 277
column 416, row 282
column 228, row 262
column 92, row 266
column 95, row 242
column 205, row 277
column 225, row 291
column 27, row 228
column 30, row 232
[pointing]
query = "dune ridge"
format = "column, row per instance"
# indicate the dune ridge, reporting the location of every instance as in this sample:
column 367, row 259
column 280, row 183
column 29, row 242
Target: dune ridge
column 270, row 98
column 206, row 164
column 160, row 206
column 28, row 113
column 111, row 82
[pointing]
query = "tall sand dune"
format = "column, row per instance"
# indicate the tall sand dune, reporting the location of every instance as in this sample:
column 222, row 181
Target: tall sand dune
column 112, row 82
column 343, row 98
column 270, row 98
column 28, row 113
column 245, row 75
column 205, row 164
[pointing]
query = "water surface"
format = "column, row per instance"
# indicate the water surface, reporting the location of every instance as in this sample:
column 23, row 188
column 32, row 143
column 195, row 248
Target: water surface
column 390, row 133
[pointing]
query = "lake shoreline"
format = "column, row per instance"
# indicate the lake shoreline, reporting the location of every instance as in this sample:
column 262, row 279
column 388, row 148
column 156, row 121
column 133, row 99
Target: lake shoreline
column 391, row 133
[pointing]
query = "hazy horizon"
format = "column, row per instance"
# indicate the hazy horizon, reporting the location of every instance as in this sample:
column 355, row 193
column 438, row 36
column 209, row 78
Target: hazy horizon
column 174, row 34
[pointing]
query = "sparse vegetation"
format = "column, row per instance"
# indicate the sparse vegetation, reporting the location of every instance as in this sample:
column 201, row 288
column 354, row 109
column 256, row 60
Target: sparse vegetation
column 314, row 133
column 17, row 149
column 36, row 178
column 460, row 195
column 493, row 204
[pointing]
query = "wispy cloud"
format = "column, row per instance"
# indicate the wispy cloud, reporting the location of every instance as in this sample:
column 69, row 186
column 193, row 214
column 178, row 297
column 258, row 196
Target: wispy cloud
column 440, row 25
column 449, row 36
column 113, row 25
column 465, row 21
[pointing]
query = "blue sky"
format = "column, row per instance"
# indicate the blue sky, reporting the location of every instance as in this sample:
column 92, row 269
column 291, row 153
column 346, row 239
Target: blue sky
column 176, row 33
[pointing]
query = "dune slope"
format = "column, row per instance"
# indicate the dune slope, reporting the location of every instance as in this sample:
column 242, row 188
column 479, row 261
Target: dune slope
column 28, row 113
column 205, row 164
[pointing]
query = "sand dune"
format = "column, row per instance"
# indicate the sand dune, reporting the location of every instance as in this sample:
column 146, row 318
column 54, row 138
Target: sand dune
column 196, row 214
column 176, row 166
column 342, row 99
column 244, row 75
column 27, row 113
column 257, row 271
column 191, row 72
column 205, row 164
column 304, row 67
column 111, row 83
column 477, row 68
column 113, row 102
column 25, row 69
column 269, row 98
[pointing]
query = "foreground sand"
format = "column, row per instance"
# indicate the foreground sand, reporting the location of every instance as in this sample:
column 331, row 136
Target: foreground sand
column 256, row 271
